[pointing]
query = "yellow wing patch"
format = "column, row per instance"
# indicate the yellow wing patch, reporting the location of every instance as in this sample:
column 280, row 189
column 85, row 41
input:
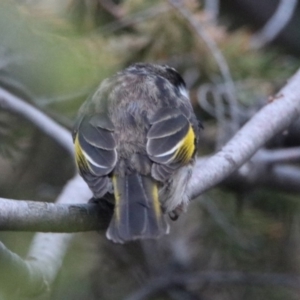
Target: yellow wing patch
column 81, row 162
column 156, row 203
column 117, row 198
column 185, row 152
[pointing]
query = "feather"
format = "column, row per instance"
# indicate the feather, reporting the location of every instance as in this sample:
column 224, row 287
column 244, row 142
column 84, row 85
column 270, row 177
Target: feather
column 98, row 147
column 137, row 209
column 163, row 172
column 101, row 120
column 98, row 157
column 95, row 152
column 165, row 128
column 163, row 114
column 171, row 138
column 187, row 150
column 97, row 136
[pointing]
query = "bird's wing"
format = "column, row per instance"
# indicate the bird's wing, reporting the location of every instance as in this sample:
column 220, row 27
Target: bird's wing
column 171, row 142
column 95, row 150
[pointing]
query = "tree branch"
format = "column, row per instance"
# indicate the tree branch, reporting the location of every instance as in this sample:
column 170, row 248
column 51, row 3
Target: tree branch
column 287, row 155
column 133, row 19
column 218, row 56
column 281, row 177
column 271, row 119
column 16, row 270
column 212, row 8
column 58, row 133
column 47, row 251
column 34, row 216
column 276, row 24
column 63, row 216
column 276, row 116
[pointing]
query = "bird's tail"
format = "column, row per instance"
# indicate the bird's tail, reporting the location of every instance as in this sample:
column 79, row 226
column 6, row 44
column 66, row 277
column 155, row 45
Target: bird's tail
column 137, row 211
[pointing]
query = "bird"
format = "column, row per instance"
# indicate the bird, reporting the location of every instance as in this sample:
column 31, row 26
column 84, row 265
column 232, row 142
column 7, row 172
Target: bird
column 136, row 140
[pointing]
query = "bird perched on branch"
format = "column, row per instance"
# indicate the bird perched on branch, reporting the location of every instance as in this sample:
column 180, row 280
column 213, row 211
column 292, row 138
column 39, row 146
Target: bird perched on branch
column 136, row 138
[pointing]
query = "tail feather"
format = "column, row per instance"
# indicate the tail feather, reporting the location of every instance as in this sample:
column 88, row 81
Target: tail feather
column 137, row 209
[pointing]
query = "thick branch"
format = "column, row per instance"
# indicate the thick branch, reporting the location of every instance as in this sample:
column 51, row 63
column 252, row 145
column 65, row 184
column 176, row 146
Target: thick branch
column 66, row 215
column 19, row 215
column 277, row 115
column 273, row 118
column 34, row 216
column 47, row 250
column 15, row 269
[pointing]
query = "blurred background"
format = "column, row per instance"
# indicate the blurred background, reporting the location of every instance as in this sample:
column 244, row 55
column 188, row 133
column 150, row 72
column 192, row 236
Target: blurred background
column 54, row 53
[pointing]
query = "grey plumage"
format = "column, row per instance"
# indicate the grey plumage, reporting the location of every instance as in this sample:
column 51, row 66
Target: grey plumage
column 138, row 133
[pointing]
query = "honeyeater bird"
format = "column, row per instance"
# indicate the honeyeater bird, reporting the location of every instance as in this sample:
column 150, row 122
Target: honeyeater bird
column 136, row 138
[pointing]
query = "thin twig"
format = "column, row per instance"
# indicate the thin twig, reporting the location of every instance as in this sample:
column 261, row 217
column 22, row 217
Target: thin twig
column 82, row 93
column 282, row 178
column 212, row 8
column 47, row 250
column 221, row 117
column 232, row 232
column 218, row 56
column 270, row 120
column 203, row 99
column 132, row 19
column 58, row 133
column 8, row 58
column 278, row 155
column 275, row 25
